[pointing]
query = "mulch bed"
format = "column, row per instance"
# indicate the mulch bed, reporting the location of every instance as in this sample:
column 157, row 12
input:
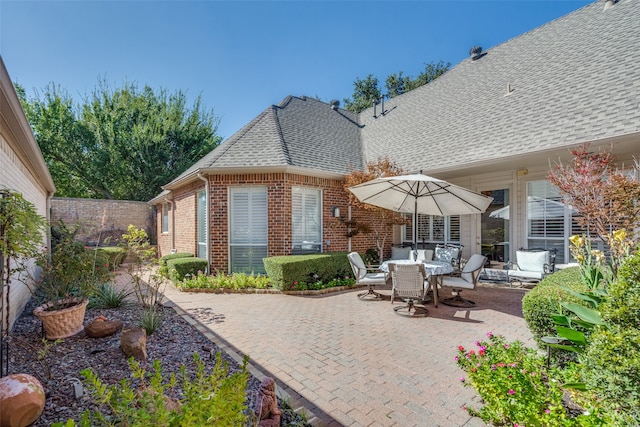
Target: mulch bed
column 58, row 367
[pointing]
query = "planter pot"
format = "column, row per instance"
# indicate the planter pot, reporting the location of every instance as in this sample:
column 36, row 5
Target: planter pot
column 62, row 323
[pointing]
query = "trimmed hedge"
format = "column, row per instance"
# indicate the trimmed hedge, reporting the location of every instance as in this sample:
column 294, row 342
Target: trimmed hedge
column 164, row 259
column 180, row 267
column 114, row 254
column 164, row 270
column 285, row 270
column 544, row 300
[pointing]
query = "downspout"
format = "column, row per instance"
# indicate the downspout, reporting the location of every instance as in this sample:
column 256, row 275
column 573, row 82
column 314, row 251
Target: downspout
column 48, row 217
column 206, row 211
column 349, row 219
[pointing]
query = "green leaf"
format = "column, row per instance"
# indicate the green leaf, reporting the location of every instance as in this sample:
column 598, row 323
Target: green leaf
column 576, row 386
column 585, row 313
column 572, row 335
column 561, row 319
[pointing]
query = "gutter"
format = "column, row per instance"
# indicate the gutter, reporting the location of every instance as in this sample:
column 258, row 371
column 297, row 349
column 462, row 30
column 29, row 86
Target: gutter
column 206, row 212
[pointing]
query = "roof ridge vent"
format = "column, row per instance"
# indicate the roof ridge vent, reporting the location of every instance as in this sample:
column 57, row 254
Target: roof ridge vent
column 609, row 4
column 476, row 53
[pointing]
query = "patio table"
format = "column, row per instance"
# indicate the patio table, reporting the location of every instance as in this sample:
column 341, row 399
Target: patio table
column 434, row 269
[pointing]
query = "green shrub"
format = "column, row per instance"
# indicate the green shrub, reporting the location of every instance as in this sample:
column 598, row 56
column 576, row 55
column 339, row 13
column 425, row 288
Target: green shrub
column 150, row 320
column 611, row 364
column 216, row 398
column 544, row 300
column 223, row 281
column 622, row 306
column 164, row 270
column 179, row 268
column 164, row 259
column 114, row 254
column 513, row 383
column 108, row 296
column 285, row 270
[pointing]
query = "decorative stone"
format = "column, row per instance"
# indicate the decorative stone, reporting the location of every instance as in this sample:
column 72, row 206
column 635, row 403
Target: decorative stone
column 133, row 342
column 21, row 400
column 101, row 327
column 267, row 404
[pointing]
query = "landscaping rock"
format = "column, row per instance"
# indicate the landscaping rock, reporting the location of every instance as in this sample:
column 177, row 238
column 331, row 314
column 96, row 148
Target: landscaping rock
column 22, row 400
column 133, row 342
column 102, row 327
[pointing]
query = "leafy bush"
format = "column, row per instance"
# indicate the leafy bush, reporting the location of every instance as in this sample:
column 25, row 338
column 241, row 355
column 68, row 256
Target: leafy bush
column 611, row 364
column 622, row 307
column 164, row 259
column 151, row 320
column 544, row 300
column 179, row 268
column 114, row 254
column 217, row 398
column 107, row 296
column 285, row 270
column 514, row 385
column 164, row 270
column 224, row 281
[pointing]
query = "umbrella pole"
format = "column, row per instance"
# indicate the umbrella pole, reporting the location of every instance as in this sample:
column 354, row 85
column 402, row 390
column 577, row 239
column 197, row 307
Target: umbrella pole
column 415, row 225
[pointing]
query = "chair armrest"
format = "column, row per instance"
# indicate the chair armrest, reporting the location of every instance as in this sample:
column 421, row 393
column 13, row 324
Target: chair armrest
column 511, row 266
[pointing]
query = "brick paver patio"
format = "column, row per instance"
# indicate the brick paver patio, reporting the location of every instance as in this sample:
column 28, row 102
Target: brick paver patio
column 355, row 363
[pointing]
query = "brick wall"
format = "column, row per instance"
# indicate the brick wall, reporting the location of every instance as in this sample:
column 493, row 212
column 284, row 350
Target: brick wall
column 182, row 215
column 103, row 220
column 14, row 175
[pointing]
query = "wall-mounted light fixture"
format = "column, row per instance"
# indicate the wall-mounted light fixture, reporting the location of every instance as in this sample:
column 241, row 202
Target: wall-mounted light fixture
column 335, row 212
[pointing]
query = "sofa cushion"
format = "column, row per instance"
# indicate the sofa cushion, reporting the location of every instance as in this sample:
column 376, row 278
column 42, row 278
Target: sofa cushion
column 400, row 253
column 532, row 261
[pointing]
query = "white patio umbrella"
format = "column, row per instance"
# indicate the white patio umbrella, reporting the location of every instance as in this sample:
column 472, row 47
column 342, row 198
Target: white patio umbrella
column 420, row 194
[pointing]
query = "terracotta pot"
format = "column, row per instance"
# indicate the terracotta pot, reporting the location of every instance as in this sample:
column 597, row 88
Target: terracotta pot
column 62, row 323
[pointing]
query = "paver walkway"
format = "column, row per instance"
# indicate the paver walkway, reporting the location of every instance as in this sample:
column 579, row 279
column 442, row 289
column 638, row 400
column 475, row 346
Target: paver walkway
column 355, row 363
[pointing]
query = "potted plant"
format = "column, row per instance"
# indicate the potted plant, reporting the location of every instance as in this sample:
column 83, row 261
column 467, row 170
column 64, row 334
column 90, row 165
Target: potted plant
column 71, row 274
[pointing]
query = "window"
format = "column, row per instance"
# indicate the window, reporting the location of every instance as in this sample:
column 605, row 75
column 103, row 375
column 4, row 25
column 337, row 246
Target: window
column 549, row 221
column 435, row 229
column 165, row 217
column 201, row 224
column 306, row 218
column 248, row 229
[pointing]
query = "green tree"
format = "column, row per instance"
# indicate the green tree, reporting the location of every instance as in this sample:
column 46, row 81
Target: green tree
column 120, row 143
column 367, row 91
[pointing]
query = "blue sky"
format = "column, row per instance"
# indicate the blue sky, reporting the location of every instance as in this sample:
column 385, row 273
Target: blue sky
column 243, row 56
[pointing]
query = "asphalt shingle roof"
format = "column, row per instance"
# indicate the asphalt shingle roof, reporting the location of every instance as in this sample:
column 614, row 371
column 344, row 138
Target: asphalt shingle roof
column 300, row 131
column 572, row 80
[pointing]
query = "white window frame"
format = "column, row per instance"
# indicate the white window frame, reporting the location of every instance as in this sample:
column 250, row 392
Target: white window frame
column 202, row 219
column 165, row 218
column 430, row 229
column 255, row 241
column 305, row 242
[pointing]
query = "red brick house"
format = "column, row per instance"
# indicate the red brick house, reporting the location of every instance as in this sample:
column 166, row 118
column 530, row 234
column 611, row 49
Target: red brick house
column 493, row 123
